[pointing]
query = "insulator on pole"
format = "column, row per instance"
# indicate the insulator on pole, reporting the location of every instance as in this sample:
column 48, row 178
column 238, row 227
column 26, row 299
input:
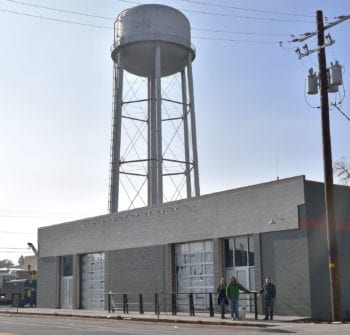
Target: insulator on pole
column 335, row 74
column 311, row 83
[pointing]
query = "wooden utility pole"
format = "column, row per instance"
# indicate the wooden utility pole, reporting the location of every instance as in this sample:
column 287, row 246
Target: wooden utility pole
column 333, row 262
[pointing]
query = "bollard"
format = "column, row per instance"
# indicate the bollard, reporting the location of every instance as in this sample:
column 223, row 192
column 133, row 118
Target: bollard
column 256, row 305
column 173, row 304
column 156, row 304
column 191, row 304
column 211, row 307
column 125, row 304
column 109, row 301
column 141, row 304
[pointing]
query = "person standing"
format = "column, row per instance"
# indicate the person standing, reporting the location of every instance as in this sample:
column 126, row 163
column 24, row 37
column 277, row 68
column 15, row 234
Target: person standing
column 30, row 296
column 222, row 300
column 232, row 294
column 34, row 285
column 269, row 291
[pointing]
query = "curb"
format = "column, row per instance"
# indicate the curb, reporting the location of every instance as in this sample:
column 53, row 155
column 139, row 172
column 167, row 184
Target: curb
column 135, row 318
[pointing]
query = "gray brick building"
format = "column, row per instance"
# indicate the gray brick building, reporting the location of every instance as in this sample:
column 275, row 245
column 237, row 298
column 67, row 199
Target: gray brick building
column 275, row 228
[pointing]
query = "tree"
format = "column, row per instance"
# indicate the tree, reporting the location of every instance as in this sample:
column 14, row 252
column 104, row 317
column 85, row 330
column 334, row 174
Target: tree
column 6, row 263
column 342, row 171
column 20, row 260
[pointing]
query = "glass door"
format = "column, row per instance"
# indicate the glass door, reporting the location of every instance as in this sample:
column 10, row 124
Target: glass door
column 67, row 282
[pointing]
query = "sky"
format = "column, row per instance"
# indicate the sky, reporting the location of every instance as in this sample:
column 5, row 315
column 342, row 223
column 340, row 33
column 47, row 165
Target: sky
column 254, row 122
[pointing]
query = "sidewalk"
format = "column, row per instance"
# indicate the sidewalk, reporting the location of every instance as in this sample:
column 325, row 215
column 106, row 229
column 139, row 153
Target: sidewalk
column 200, row 318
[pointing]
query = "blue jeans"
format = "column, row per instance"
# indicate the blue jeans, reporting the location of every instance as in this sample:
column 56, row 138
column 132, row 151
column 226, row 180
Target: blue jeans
column 234, row 308
column 222, row 303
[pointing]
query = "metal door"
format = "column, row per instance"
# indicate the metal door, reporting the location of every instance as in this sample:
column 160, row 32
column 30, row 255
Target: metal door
column 66, row 292
column 93, row 273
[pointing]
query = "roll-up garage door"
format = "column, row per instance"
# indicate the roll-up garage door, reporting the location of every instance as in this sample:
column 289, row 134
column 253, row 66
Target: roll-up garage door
column 93, row 284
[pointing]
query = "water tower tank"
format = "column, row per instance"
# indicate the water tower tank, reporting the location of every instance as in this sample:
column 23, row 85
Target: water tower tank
column 139, row 29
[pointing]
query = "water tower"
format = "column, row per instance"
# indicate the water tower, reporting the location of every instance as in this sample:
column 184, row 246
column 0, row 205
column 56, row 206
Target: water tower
column 154, row 150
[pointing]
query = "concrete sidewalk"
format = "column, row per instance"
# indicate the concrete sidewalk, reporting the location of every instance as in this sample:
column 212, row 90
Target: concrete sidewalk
column 200, row 318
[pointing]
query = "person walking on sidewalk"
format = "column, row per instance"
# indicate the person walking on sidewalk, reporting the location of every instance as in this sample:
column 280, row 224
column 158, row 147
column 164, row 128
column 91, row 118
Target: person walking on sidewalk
column 222, row 300
column 269, row 291
column 232, row 294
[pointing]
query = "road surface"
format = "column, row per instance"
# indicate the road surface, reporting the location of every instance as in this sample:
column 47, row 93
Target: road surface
column 42, row 325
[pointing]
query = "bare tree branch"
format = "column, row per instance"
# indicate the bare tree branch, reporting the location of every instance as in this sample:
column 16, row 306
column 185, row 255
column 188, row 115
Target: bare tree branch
column 342, row 171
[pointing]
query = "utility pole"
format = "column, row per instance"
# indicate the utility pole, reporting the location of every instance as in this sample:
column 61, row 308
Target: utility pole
column 333, row 262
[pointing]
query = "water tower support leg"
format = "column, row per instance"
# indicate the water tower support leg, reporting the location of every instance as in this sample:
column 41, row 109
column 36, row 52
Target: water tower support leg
column 159, row 123
column 116, row 135
column 152, row 142
column 185, row 121
column 193, row 125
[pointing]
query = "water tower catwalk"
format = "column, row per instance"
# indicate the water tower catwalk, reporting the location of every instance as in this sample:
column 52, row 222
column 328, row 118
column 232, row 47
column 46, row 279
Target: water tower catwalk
column 154, row 150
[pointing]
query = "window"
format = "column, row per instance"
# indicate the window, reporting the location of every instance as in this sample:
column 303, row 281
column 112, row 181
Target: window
column 251, row 251
column 239, row 251
column 228, row 245
column 67, row 266
column 239, row 260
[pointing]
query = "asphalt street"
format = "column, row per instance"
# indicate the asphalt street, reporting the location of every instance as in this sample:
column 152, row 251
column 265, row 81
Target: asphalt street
column 38, row 325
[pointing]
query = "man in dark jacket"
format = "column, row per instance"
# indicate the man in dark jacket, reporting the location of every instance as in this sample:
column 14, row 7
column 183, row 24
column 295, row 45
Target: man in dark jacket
column 269, row 297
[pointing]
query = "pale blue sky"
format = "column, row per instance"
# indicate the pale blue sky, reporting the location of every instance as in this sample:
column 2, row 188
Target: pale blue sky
column 56, row 104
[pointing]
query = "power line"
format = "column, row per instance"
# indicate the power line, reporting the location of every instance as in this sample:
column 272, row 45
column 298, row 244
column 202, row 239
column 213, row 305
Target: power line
column 56, row 20
column 60, row 10
column 239, row 32
column 15, row 252
column 307, row 35
column 110, row 28
column 11, row 248
column 340, row 111
column 110, row 18
column 234, row 40
column 227, row 14
column 244, row 9
column 16, row 232
column 35, row 216
column 244, row 17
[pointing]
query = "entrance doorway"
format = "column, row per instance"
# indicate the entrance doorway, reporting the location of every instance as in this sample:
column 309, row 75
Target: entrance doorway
column 239, row 263
column 67, row 282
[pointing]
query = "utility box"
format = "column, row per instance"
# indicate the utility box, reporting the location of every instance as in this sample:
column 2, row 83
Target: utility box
column 311, row 83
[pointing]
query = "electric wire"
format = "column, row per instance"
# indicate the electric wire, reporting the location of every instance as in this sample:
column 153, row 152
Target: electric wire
column 226, row 14
column 59, row 10
column 244, row 9
column 245, row 17
column 35, row 216
column 16, row 252
column 12, row 248
column 235, row 40
column 56, row 20
column 194, row 11
column 239, row 32
column 16, row 232
column 341, row 112
column 111, row 28
column 281, row 44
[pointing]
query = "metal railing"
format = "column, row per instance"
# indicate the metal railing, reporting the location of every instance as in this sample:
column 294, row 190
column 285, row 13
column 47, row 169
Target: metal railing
column 157, row 303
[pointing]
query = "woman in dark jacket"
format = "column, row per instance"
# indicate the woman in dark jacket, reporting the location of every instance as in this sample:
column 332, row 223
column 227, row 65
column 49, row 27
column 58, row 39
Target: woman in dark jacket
column 222, row 300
